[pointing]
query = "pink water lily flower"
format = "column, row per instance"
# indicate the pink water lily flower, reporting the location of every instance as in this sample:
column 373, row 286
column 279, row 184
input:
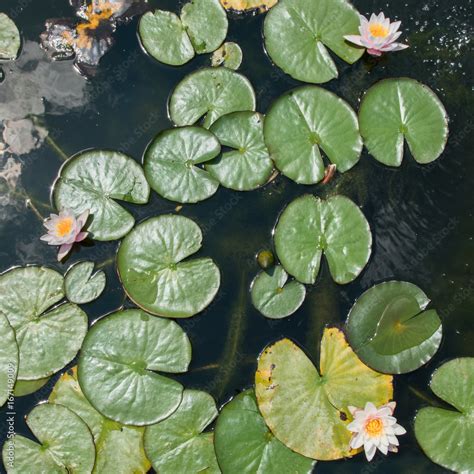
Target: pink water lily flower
column 65, row 229
column 378, row 35
column 375, row 428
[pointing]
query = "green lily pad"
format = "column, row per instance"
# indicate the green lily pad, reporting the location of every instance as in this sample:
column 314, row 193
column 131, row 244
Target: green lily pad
column 118, row 363
column 298, row 34
column 228, row 55
column 309, row 227
column 401, row 109
column 172, row 160
column 93, row 180
column 242, row 6
column 178, row 443
column 81, row 286
column 390, row 330
column 314, row 119
column 156, row 272
column 245, row 445
column 164, row 37
column 273, row 296
column 65, row 444
column 206, row 24
column 307, row 410
column 208, row 94
column 119, row 448
column 10, row 40
column 27, row 387
column 447, row 436
column 8, row 359
column 48, row 338
column 248, row 165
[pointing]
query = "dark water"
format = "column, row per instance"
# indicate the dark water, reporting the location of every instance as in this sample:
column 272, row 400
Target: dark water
column 421, row 216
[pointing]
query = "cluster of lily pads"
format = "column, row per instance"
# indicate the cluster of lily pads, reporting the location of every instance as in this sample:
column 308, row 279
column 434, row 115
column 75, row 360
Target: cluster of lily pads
column 117, row 410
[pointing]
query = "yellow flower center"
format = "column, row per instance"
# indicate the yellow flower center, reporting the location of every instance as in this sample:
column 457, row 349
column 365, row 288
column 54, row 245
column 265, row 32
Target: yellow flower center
column 378, row 30
column 64, row 226
column 374, row 427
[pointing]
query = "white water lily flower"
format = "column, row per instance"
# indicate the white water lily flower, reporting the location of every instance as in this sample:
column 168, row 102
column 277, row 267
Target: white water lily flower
column 65, row 229
column 378, row 35
column 375, row 428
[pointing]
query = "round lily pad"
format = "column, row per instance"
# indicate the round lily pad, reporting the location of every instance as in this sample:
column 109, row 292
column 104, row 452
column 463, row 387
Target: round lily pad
column 48, row 337
column 447, row 435
column 273, row 296
column 241, row 6
column 401, row 109
column 65, row 444
column 8, row 359
column 178, row 443
column 172, row 160
column 228, row 55
column 208, row 94
column 10, row 40
column 309, row 227
column 93, row 180
column 244, row 444
column 307, row 410
column 156, row 272
column 81, row 286
column 247, row 165
column 119, row 447
column 298, row 34
column 27, row 387
column 164, row 37
column 206, row 24
column 118, row 366
column 305, row 121
column 390, row 330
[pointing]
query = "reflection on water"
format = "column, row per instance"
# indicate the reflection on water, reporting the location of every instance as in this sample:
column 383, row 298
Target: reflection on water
column 421, row 216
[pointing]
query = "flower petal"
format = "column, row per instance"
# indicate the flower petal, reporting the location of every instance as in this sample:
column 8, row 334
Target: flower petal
column 399, row 430
column 81, row 236
column 357, row 441
column 370, row 450
column 63, row 251
column 356, row 39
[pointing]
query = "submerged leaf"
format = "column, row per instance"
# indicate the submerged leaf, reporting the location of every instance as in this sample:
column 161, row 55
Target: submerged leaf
column 395, row 110
column 273, row 296
column 228, row 55
column 309, row 227
column 119, row 361
column 48, row 337
column 27, row 387
column 65, row 444
column 313, row 119
column 81, row 286
column 208, row 94
column 178, row 444
column 156, row 272
column 247, row 165
column 93, row 180
column 298, row 33
column 244, row 443
column 10, row 41
column 119, row 447
column 171, row 163
column 8, row 359
column 307, row 410
column 446, row 435
column 390, row 330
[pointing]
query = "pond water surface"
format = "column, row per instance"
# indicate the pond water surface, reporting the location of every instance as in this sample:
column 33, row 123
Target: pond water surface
column 421, row 216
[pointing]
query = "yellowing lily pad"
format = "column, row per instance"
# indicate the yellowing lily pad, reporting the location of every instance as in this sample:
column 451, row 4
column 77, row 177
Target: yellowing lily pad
column 241, row 6
column 309, row 227
column 447, row 435
column 307, row 410
column 156, row 271
column 65, row 444
column 395, row 110
column 390, row 330
column 178, row 444
column 10, row 40
column 244, row 444
column 228, row 55
column 48, row 336
column 119, row 447
column 298, row 34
